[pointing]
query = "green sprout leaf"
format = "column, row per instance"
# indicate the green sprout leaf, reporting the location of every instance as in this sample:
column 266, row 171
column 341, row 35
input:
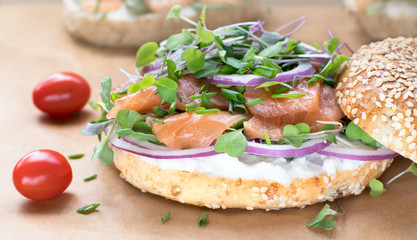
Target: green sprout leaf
column 171, row 67
column 127, row 118
column 146, row 82
column 320, row 221
column 377, row 188
column 332, row 44
column 233, row 143
column 204, row 36
column 271, row 37
column 203, row 219
column 337, row 61
column 354, row 132
column 102, row 151
column 210, row 68
column 292, row 134
column 94, row 128
column 194, row 58
column 412, row 168
column 331, row 138
column 249, row 55
column 203, row 15
column 166, row 89
column 177, row 40
column 146, row 54
column 105, row 93
column 165, row 217
column 272, row 51
column 174, row 12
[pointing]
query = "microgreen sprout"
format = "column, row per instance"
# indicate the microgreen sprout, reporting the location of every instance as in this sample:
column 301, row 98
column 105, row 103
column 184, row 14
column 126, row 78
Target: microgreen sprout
column 233, row 143
column 320, row 221
column 412, row 169
column 377, row 188
column 293, row 134
column 354, row 132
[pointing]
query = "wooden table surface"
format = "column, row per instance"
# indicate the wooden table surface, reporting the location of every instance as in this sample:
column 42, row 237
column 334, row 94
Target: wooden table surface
column 34, row 44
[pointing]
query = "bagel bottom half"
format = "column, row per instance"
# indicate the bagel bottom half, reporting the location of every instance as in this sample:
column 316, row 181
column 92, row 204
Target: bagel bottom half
column 218, row 192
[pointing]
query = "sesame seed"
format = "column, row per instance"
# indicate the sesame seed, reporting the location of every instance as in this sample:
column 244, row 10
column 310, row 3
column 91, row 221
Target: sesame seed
column 264, row 196
column 381, row 96
column 407, row 124
column 264, row 189
column 363, row 115
column 215, row 206
column 411, row 145
column 249, row 208
column 356, row 121
column 283, row 198
column 400, row 115
column 402, row 132
column 408, row 112
column 374, row 118
column 384, row 118
column 255, row 189
column 354, row 111
column 409, row 139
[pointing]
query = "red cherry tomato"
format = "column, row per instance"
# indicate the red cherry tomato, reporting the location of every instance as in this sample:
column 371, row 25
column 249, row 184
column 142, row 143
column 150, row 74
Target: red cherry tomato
column 61, row 93
column 42, row 174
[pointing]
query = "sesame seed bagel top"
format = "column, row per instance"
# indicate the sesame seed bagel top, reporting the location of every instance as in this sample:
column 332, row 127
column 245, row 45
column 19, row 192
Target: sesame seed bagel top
column 378, row 92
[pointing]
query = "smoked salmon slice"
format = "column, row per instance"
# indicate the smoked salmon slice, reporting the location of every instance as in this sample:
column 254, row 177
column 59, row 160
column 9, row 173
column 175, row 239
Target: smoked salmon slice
column 288, row 109
column 192, row 130
column 189, row 86
column 328, row 110
column 139, row 101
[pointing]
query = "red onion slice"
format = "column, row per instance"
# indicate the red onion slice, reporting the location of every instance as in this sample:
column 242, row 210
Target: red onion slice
column 307, row 148
column 304, row 69
column 358, row 154
column 137, row 148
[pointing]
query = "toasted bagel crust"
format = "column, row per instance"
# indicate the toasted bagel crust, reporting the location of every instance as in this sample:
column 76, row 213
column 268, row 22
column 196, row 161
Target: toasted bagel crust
column 133, row 32
column 378, row 92
column 216, row 192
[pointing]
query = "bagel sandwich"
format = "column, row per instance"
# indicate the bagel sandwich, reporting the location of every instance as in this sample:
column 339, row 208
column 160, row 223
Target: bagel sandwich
column 236, row 117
